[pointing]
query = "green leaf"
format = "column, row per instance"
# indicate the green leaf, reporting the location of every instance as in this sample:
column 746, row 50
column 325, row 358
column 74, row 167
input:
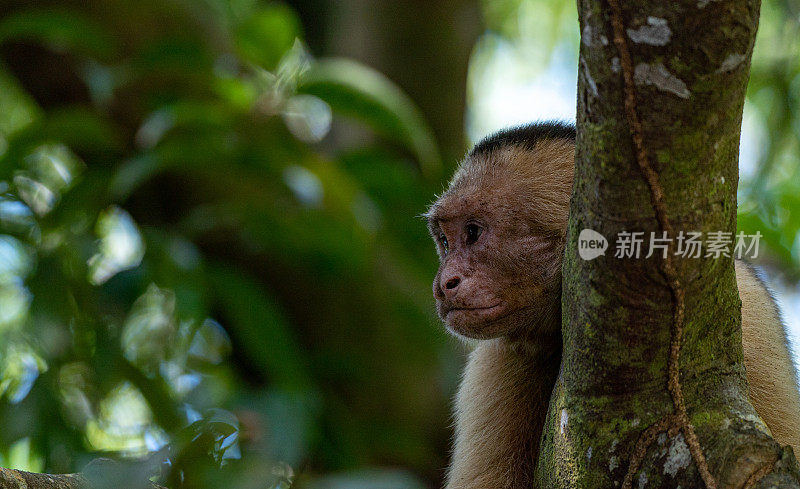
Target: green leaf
column 174, row 55
column 259, row 329
column 131, row 173
column 751, row 223
column 357, row 91
column 61, row 29
column 83, row 129
column 267, row 35
column 17, row 108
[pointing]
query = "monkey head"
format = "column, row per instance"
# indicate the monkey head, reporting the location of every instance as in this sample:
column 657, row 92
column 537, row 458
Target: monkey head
column 499, row 230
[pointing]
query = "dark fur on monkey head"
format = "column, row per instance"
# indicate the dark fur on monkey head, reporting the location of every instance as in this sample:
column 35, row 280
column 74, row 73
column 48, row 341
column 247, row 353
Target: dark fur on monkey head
column 499, row 230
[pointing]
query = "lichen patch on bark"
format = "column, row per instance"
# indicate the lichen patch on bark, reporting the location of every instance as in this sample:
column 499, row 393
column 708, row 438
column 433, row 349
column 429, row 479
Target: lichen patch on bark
column 655, row 33
column 679, row 457
column 658, row 75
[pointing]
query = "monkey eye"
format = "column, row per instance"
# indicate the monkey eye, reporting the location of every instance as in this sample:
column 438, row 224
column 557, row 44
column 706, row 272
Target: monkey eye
column 443, row 240
column 473, row 233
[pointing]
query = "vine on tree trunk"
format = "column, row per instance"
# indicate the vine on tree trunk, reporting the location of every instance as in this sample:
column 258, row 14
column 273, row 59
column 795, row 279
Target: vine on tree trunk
column 679, row 421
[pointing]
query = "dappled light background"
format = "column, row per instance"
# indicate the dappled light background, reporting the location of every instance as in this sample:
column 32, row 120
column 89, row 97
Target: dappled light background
column 211, row 264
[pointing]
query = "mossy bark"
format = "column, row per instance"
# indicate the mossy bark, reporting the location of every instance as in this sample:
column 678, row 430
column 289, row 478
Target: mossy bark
column 101, row 476
column 17, row 479
column 689, row 62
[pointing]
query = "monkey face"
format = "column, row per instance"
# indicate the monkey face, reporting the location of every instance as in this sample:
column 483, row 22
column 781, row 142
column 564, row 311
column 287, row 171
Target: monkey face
column 500, row 229
column 493, row 274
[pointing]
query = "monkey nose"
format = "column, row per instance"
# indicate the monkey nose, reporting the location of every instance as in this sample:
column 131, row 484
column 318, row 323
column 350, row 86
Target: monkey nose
column 452, row 283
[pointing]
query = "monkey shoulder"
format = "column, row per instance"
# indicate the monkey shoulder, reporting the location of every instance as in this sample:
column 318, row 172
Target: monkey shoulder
column 767, row 357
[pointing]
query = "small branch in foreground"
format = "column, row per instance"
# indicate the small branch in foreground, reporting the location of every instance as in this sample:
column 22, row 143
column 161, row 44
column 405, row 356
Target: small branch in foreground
column 17, row 479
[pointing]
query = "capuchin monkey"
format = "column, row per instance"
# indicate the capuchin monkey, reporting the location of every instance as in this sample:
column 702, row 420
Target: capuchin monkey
column 500, row 231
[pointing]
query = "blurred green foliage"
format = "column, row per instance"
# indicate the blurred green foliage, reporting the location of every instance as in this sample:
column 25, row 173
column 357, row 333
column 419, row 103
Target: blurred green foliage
column 210, row 264
column 190, row 280
column 770, row 192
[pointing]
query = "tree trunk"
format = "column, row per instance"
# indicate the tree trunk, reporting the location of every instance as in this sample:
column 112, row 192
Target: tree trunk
column 652, row 391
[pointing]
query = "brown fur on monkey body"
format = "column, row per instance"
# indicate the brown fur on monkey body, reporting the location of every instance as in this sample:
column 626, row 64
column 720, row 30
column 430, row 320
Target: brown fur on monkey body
column 500, row 230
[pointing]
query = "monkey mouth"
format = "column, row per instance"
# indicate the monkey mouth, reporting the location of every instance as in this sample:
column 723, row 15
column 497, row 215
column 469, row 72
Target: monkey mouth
column 483, row 322
column 479, row 310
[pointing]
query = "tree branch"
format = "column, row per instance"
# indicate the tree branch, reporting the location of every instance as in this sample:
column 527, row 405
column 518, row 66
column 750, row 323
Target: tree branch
column 17, row 479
